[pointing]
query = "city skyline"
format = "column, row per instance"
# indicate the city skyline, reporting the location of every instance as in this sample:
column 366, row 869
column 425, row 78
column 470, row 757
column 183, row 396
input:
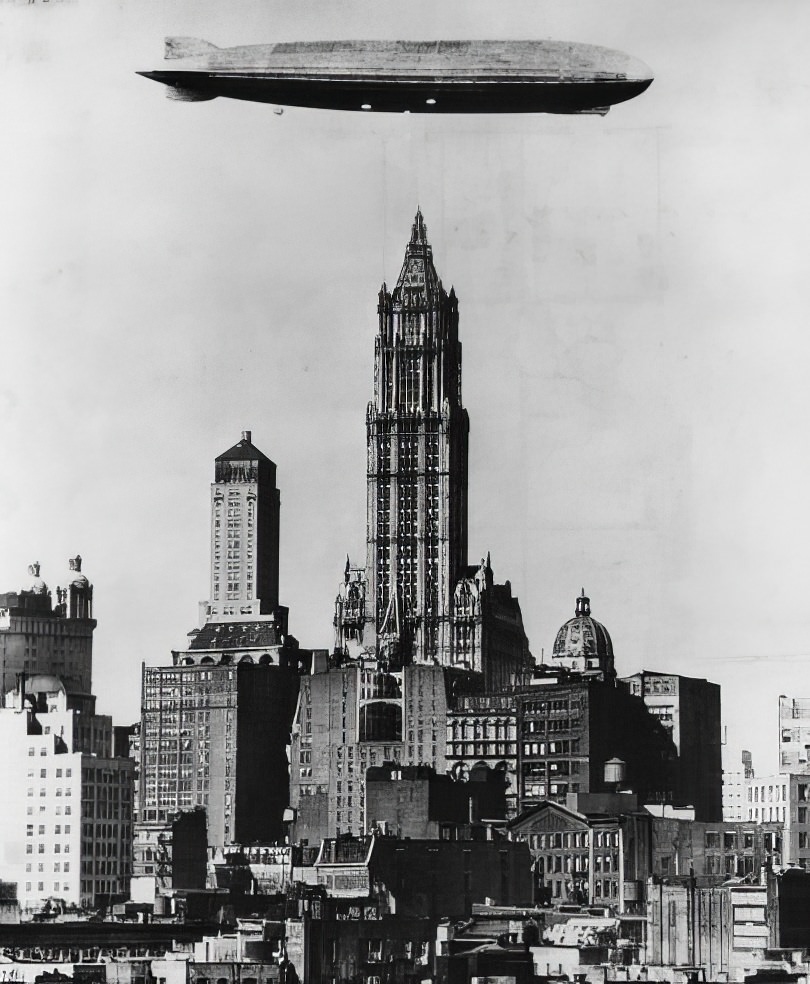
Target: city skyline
column 636, row 393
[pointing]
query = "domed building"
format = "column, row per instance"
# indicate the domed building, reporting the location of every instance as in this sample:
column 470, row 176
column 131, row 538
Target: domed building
column 583, row 645
column 45, row 634
column 77, row 594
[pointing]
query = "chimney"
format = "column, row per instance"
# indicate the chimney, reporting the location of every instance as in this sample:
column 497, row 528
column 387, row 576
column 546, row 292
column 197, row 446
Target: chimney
column 246, row 436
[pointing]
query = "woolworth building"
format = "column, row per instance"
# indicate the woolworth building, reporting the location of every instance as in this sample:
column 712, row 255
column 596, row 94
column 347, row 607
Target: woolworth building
column 416, row 626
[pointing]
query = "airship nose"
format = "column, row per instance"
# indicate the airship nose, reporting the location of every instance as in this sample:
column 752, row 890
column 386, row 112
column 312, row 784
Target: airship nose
column 639, row 71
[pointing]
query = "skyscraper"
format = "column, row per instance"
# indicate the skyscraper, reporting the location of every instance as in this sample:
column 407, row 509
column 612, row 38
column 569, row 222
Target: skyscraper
column 216, row 723
column 415, row 627
column 417, row 462
column 416, row 600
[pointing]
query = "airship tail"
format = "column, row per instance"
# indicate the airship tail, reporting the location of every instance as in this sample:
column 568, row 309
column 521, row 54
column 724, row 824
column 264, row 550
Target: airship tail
column 188, row 48
column 177, row 90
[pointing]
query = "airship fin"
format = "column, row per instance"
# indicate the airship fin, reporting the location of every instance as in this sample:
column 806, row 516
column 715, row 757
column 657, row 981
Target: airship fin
column 187, row 47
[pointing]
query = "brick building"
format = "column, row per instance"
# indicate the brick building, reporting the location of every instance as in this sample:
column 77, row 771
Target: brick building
column 415, row 802
column 689, row 710
column 425, row 877
column 571, row 727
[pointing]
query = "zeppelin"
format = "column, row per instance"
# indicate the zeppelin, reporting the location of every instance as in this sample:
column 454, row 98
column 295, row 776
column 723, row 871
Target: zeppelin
column 408, row 76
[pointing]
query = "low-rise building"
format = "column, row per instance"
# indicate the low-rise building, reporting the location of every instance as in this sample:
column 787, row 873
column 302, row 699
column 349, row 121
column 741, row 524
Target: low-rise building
column 425, row 877
column 714, row 852
column 416, row 802
column 593, row 851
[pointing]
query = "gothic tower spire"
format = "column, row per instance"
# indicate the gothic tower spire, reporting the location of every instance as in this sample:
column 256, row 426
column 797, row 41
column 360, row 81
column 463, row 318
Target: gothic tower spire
column 417, row 432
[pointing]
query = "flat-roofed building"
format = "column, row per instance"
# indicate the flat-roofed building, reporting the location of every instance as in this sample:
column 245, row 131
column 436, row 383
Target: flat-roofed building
column 66, row 822
column 689, row 709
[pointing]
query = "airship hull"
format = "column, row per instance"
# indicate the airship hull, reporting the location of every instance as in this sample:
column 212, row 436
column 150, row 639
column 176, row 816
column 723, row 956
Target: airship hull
column 415, row 77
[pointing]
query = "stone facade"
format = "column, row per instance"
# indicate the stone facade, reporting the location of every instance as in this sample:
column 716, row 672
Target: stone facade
column 593, row 851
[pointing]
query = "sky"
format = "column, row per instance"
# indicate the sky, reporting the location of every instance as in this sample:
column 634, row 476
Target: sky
column 633, row 297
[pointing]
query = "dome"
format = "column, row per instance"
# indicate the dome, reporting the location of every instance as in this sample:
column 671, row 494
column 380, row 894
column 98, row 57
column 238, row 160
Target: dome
column 42, row 683
column 583, row 641
column 36, row 584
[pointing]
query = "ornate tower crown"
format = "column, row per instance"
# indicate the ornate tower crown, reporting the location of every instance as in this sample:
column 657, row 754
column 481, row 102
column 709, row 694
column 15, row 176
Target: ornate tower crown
column 418, row 285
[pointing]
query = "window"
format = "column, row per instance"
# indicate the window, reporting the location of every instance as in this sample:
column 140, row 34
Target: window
column 712, row 838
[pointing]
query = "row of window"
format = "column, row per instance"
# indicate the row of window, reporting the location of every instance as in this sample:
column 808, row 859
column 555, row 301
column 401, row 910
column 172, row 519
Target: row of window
column 563, row 746
column 41, row 887
column 573, row 839
column 731, row 839
column 29, row 830
column 776, row 794
column 57, row 848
